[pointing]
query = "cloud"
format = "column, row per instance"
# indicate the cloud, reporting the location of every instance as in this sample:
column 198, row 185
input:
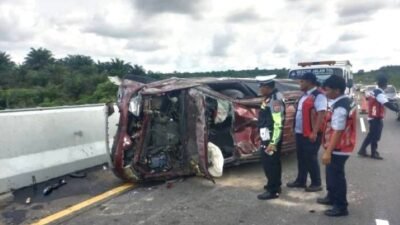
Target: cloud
column 314, row 8
column 154, row 7
column 358, row 10
column 13, row 27
column 280, row 49
column 221, row 44
column 308, row 7
column 144, row 45
column 157, row 60
column 348, row 36
column 105, row 28
column 10, row 31
column 337, row 49
column 243, row 16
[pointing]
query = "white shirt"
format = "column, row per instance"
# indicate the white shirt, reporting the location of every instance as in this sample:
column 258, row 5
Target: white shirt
column 339, row 116
column 320, row 104
column 381, row 98
column 338, row 123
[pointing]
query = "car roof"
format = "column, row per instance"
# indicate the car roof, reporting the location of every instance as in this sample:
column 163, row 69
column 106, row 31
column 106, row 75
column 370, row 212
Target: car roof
column 176, row 83
column 318, row 67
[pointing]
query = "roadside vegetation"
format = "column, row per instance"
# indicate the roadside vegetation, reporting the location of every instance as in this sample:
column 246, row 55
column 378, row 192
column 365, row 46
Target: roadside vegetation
column 392, row 72
column 41, row 80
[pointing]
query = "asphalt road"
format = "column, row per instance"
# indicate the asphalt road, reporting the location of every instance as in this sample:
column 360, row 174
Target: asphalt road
column 373, row 193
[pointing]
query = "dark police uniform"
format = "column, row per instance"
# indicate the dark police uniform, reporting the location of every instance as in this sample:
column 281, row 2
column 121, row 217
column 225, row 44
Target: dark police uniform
column 270, row 124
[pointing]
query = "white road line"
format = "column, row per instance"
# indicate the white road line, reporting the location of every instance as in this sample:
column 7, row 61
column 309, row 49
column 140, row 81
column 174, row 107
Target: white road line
column 381, row 222
column 362, row 125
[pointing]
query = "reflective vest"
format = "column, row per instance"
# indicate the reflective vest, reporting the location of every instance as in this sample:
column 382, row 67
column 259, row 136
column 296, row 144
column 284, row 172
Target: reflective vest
column 348, row 139
column 309, row 114
column 375, row 109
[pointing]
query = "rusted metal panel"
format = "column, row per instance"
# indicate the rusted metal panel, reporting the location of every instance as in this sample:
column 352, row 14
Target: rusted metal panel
column 245, row 129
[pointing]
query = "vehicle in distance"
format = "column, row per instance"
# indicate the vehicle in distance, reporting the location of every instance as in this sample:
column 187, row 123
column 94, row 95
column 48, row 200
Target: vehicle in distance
column 391, row 93
column 324, row 69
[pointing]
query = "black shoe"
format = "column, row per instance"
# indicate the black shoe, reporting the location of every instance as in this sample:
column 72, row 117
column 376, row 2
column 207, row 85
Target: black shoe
column 279, row 190
column 362, row 154
column 324, row 201
column 376, row 156
column 267, row 196
column 295, row 184
column 313, row 188
column 335, row 212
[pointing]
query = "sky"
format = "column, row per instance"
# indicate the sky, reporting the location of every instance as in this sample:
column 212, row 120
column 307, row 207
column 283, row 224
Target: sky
column 206, row 35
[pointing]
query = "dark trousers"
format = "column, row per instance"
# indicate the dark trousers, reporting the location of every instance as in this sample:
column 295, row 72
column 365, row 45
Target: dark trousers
column 373, row 136
column 307, row 160
column 336, row 181
column 272, row 169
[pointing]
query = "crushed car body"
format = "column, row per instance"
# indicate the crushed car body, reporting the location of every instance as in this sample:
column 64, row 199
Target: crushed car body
column 181, row 126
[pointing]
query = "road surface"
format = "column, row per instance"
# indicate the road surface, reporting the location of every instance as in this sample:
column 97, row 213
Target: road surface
column 373, row 193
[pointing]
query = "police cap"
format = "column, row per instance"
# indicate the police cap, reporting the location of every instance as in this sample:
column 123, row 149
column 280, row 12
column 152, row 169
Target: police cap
column 267, row 83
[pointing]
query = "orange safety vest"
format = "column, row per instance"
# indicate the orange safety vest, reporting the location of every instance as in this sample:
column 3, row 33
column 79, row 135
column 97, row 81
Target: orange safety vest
column 347, row 141
column 375, row 109
column 309, row 114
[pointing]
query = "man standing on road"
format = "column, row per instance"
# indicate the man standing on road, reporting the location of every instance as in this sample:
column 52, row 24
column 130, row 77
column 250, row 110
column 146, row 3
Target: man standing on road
column 376, row 111
column 338, row 141
column 310, row 115
column 270, row 123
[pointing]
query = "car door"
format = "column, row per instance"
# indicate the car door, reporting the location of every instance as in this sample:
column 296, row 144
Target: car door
column 196, row 134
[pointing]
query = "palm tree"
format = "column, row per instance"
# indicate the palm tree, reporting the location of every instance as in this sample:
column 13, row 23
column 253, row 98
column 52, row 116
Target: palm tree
column 39, row 58
column 77, row 61
column 118, row 67
column 138, row 70
column 5, row 62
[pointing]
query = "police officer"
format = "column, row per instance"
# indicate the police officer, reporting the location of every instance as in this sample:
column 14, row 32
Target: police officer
column 270, row 124
column 376, row 111
column 310, row 114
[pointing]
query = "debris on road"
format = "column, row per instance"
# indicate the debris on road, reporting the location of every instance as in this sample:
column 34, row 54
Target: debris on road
column 170, row 183
column 78, row 175
column 49, row 189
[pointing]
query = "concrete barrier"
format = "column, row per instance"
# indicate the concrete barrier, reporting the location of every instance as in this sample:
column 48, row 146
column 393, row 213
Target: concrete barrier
column 40, row 144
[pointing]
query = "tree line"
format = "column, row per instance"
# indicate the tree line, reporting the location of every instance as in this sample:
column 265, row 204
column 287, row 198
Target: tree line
column 391, row 72
column 41, row 80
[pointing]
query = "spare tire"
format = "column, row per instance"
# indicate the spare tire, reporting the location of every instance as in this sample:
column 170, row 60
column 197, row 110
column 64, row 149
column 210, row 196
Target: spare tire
column 215, row 160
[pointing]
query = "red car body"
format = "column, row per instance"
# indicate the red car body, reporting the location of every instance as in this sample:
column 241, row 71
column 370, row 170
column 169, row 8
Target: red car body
column 165, row 126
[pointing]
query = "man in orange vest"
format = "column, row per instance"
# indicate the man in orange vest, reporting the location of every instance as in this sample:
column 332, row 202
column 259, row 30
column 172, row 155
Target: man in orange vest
column 339, row 141
column 376, row 111
column 308, row 127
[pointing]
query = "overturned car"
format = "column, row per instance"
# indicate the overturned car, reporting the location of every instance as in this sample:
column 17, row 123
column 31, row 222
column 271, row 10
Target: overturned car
column 191, row 126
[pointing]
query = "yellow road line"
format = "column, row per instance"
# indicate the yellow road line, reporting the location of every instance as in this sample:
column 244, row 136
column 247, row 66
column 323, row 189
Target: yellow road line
column 84, row 204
